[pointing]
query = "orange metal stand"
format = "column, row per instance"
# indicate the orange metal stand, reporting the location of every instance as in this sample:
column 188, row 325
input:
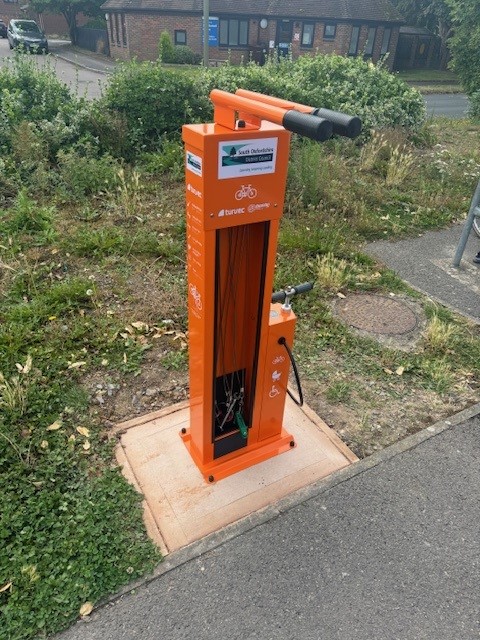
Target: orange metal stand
column 236, row 171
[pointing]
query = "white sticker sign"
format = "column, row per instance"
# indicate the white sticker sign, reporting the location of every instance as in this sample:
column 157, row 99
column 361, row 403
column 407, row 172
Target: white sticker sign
column 193, row 163
column 244, row 158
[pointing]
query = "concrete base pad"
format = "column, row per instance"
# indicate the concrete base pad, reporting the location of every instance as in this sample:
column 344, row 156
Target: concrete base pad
column 181, row 507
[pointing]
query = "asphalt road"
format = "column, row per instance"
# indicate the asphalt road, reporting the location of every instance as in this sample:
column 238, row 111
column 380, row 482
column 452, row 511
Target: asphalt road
column 85, row 82
column 391, row 553
column 451, row 105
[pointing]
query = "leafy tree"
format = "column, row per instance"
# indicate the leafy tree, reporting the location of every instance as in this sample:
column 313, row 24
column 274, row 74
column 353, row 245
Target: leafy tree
column 434, row 15
column 69, row 9
column 465, row 44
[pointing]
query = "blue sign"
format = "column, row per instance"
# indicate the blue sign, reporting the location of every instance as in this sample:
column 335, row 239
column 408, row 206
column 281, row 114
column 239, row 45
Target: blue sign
column 212, row 32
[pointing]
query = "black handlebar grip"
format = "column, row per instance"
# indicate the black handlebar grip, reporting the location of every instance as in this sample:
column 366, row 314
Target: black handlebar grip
column 303, row 288
column 308, row 125
column 278, row 296
column 343, row 124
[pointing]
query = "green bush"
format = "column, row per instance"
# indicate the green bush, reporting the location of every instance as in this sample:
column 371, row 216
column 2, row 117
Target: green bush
column 165, row 47
column 82, row 174
column 184, row 55
column 154, row 101
column 351, row 85
column 474, row 111
column 29, row 93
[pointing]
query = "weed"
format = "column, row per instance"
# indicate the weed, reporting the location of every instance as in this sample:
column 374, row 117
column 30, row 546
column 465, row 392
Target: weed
column 439, row 335
column 175, row 360
column 13, row 392
column 331, row 272
column 438, row 375
column 372, row 150
column 339, row 391
column 26, row 216
column 399, row 167
column 81, row 174
column 129, row 193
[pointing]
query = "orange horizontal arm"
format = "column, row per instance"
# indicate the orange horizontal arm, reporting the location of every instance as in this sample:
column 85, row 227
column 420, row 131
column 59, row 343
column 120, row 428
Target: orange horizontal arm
column 342, row 123
column 253, row 111
column 276, row 102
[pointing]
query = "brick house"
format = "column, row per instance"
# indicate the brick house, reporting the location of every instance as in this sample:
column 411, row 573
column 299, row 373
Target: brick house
column 244, row 30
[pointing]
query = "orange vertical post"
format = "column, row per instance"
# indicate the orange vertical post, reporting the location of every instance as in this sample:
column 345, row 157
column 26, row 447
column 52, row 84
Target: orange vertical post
column 235, row 177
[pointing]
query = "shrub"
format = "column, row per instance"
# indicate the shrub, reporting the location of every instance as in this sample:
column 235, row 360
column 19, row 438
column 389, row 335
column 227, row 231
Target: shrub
column 30, row 93
column 184, row 55
column 474, row 111
column 351, row 85
column 154, row 101
column 175, row 54
column 169, row 158
column 380, row 98
column 82, row 174
column 165, row 47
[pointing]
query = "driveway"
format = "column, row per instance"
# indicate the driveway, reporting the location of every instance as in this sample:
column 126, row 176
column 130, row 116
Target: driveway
column 85, row 74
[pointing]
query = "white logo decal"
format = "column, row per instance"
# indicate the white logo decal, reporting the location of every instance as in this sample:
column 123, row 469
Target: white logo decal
column 258, row 207
column 231, row 212
column 194, row 163
column 237, row 158
column 196, row 297
column 195, row 192
column 274, row 392
column 278, row 360
column 246, row 191
column 276, row 375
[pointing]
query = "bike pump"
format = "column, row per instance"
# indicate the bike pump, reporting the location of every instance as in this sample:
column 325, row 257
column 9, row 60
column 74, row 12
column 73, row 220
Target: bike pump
column 239, row 341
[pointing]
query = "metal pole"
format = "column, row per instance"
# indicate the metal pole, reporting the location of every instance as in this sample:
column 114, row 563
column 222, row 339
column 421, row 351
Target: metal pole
column 206, row 11
column 467, row 227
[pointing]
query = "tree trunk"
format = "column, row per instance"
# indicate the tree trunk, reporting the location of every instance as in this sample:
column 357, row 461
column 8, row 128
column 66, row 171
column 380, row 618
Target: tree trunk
column 71, row 18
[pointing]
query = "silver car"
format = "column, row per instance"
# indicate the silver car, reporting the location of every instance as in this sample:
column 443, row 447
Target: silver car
column 28, row 35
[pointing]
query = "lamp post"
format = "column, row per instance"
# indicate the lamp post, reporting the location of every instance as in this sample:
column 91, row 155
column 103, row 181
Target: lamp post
column 206, row 11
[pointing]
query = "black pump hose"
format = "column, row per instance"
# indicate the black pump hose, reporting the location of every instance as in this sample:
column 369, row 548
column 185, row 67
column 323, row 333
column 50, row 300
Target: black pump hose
column 298, row 401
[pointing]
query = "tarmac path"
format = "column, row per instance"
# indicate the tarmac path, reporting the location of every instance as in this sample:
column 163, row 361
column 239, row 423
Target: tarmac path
column 388, row 550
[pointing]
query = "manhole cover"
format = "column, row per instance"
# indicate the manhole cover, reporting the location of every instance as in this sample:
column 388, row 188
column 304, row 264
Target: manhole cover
column 376, row 314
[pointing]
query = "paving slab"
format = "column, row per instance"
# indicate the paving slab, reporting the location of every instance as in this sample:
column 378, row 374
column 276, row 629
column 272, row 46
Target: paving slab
column 181, row 507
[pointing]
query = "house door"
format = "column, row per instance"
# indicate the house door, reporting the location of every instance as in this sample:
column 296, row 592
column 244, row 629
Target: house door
column 284, row 36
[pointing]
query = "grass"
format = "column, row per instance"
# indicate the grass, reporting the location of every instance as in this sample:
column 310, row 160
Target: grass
column 93, row 293
column 429, row 81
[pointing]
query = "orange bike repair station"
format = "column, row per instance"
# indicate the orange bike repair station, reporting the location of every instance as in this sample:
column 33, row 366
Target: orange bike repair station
column 240, row 337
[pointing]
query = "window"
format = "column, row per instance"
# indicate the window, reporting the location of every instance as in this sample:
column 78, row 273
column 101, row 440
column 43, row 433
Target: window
column 386, row 41
column 110, row 22
column 124, row 29
column 329, row 31
column 117, row 31
column 352, row 51
column 307, row 34
column 233, row 33
column 180, row 36
column 370, row 42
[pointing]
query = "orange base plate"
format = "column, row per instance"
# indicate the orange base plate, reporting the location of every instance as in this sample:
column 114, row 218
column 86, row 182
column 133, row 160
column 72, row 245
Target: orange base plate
column 242, row 459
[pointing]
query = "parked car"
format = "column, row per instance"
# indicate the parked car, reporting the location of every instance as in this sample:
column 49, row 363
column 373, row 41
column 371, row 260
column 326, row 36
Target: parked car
column 27, row 34
column 3, row 29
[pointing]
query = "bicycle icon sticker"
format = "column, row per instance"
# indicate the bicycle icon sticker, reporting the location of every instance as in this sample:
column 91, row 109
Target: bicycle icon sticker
column 246, row 191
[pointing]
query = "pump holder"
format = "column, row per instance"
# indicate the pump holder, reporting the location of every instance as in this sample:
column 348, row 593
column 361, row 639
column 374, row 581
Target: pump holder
column 235, row 174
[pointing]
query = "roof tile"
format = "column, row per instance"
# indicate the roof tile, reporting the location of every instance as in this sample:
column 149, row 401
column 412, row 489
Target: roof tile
column 377, row 10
